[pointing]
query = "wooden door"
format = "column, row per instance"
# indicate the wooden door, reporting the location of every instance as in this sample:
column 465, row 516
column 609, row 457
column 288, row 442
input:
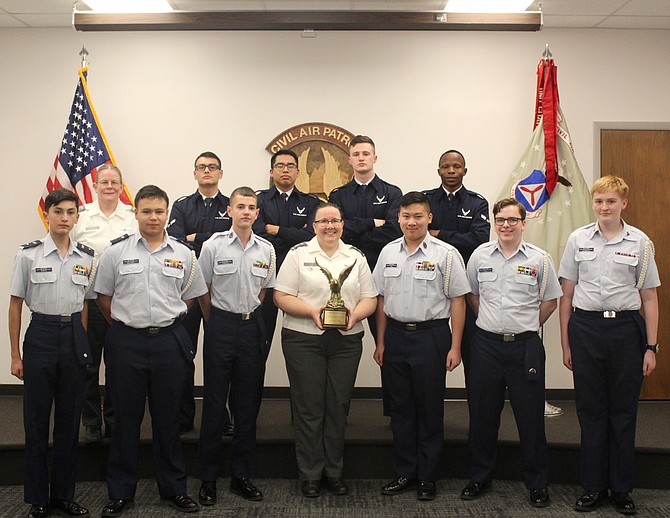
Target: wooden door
column 642, row 158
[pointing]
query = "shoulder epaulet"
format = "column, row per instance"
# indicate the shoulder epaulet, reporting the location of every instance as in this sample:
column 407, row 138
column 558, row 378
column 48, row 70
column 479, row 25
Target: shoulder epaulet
column 182, row 241
column 86, row 249
column 478, row 195
column 32, row 244
column 299, row 245
column 181, row 199
column 259, row 191
column 129, row 208
column 262, row 239
column 357, row 250
column 82, row 209
column 119, row 239
column 428, row 192
column 336, row 189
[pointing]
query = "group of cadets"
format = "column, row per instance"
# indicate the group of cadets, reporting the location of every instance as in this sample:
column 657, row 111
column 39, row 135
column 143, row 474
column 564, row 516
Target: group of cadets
column 429, row 252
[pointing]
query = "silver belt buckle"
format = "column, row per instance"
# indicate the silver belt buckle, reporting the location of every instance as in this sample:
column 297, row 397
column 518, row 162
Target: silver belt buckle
column 509, row 337
column 154, row 331
column 65, row 319
column 609, row 314
column 246, row 316
column 410, row 327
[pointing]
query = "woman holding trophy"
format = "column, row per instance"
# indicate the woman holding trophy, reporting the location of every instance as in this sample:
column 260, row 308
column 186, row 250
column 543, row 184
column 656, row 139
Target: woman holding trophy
column 325, row 290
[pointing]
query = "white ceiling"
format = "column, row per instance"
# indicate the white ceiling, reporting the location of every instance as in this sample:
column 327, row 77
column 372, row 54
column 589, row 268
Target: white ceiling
column 609, row 14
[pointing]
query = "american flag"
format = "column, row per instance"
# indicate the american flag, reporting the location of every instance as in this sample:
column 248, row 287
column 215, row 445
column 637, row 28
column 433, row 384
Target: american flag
column 83, row 148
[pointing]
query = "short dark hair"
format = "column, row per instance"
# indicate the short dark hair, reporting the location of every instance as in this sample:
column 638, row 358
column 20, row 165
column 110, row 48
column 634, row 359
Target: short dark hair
column 509, row 202
column 58, row 196
column 451, row 151
column 151, row 192
column 361, row 139
column 282, row 152
column 207, row 154
column 325, row 205
column 413, row 197
column 243, row 191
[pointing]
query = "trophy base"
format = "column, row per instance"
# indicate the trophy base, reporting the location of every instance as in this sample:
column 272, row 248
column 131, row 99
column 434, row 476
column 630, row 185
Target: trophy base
column 334, row 318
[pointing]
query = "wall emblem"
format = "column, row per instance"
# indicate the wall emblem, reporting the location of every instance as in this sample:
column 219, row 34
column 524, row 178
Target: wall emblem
column 322, row 151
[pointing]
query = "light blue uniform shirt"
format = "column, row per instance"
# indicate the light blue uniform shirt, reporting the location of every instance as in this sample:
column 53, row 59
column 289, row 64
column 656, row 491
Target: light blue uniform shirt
column 413, row 284
column 236, row 275
column 606, row 272
column 48, row 284
column 147, row 288
column 509, row 288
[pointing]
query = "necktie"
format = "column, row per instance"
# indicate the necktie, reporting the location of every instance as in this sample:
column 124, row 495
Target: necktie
column 284, row 197
column 208, row 204
column 283, row 210
column 451, row 197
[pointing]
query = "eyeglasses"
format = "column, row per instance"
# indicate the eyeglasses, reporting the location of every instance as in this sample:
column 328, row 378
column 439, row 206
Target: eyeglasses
column 512, row 222
column 211, row 167
column 291, row 167
column 324, row 222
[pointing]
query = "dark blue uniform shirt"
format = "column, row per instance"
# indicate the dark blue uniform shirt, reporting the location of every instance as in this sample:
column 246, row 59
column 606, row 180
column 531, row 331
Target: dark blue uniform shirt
column 294, row 218
column 464, row 222
column 189, row 215
column 381, row 200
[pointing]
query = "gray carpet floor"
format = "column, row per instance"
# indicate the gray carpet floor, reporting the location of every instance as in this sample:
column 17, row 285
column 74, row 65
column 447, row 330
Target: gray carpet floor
column 508, row 499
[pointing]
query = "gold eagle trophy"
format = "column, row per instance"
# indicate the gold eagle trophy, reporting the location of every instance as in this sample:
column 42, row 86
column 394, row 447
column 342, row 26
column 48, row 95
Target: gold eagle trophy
column 334, row 315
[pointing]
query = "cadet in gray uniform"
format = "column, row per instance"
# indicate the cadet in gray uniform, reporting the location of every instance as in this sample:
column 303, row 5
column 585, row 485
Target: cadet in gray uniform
column 608, row 273
column 421, row 282
column 146, row 283
column 514, row 291
column 53, row 276
column 238, row 266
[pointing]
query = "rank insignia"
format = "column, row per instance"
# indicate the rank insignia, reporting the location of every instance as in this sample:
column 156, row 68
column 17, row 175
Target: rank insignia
column 80, row 269
column 173, row 263
column 425, row 266
column 527, row 270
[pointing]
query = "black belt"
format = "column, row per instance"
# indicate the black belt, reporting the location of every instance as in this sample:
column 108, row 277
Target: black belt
column 507, row 337
column 607, row 314
column 254, row 315
column 63, row 319
column 154, row 330
column 417, row 326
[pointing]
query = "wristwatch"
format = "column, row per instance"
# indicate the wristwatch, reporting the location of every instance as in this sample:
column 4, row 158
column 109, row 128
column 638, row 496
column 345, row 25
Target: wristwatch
column 653, row 348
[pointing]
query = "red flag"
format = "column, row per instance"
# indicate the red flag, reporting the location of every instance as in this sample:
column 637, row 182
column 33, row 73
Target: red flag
column 83, row 149
column 546, row 108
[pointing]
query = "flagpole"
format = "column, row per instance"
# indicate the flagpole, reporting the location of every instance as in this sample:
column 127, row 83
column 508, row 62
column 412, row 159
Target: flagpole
column 83, row 53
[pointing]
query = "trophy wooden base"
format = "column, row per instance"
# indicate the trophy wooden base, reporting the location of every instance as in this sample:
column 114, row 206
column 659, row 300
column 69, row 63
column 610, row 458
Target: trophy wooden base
column 334, row 318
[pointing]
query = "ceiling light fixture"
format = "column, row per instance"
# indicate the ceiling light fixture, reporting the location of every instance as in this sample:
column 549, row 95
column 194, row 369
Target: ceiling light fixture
column 487, row 6
column 129, row 6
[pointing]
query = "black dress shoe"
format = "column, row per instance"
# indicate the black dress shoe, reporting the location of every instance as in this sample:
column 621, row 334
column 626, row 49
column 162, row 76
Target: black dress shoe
column 539, row 497
column 399, row 485
column 246, row 489
column 426, row 490
column 310, row 488
column 228, row 430
column 474, row 490
column 67, row 508
column 182, row 503
column 336, row 486
column 590, row 501
column 623, row 503
column 116, row 508
column 207, row 493
column 38, row 511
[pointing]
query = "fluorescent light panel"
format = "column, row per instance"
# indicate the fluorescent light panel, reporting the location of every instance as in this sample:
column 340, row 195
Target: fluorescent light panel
column 487, row 6
column 129, row 6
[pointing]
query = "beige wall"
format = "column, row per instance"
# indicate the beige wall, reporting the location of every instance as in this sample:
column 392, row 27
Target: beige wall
column 164, row 97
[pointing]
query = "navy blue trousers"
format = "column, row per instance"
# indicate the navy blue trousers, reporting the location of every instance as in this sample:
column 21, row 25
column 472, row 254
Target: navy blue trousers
column 52, row 376
column 234, row 353
column 413, row 374
column 607, row 368
column 494, row 366
column 96, row 409
column 140, row 365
